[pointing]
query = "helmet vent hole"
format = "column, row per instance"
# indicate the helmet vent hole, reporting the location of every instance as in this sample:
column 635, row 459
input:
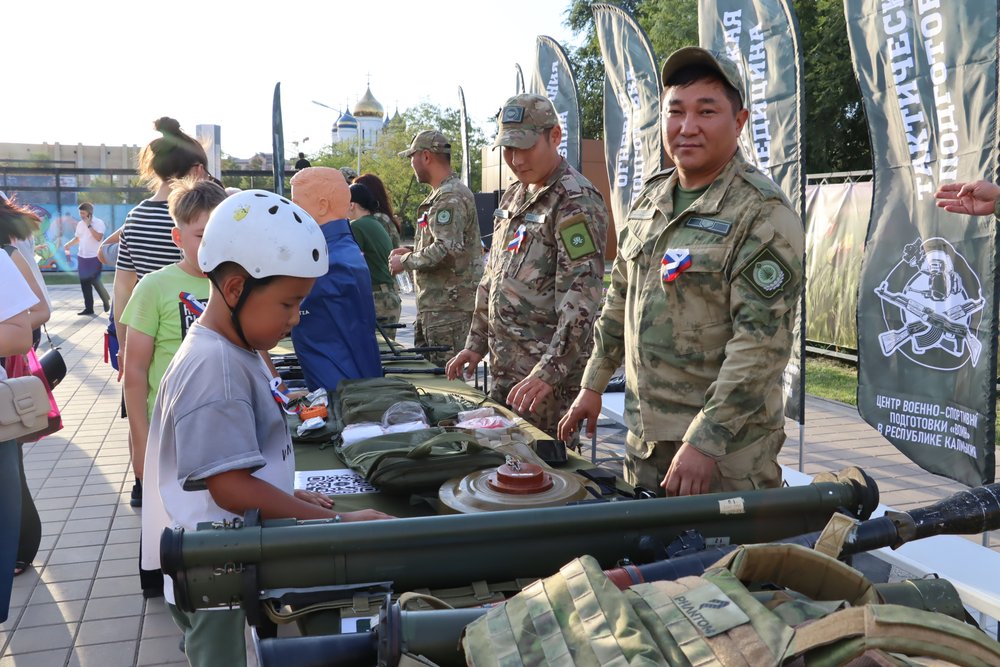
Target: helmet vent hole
column 258, row 194
column 284, row 201
column 272, row 210
column 315, row 255
column 296, row 216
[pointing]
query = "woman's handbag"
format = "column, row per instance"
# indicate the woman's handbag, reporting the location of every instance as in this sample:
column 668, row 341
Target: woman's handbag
column 28, row 365
column 24, row 407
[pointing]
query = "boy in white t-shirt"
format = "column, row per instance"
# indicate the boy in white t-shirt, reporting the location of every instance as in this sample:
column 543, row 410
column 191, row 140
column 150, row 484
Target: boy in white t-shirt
column 89, row 234
column 218, row 442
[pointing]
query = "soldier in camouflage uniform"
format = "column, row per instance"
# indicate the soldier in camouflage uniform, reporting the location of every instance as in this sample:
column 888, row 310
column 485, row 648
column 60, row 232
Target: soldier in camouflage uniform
column 542, row 289
column 702, row 301
column 447, row 257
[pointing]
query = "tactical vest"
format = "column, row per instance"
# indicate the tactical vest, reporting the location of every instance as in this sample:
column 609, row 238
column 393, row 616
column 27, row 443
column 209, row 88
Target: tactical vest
column 824, row 613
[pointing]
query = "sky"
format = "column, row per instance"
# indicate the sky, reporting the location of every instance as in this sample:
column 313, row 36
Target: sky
column 101, row 72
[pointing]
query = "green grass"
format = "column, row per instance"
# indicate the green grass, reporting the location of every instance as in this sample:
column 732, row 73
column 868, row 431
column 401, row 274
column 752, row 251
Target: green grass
column 832, row 379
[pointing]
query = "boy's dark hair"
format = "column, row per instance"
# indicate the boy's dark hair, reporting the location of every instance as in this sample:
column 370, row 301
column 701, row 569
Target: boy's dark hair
column 685, row 76
column 171, row 156
column 190, row 197
column 87, row 206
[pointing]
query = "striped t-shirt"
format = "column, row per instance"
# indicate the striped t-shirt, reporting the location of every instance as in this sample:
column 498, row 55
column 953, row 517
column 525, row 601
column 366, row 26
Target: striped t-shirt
column 146, row 244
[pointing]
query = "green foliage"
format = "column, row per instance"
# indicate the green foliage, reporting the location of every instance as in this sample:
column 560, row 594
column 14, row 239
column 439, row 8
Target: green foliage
column 836, row 131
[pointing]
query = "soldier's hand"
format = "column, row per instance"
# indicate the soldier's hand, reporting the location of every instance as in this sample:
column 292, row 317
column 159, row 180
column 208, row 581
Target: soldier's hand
column 528, row 394
column 586, row 405
column 396, row 261
column 463, row 364
column 691, row 473
column 977, row 198
column 364, row 515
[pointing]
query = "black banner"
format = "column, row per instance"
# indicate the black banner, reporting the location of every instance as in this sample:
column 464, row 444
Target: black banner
column 927, row 306
column 633, row 147
column 762, row 38
column 553, row 77
column 463, row 119
column 277, row 143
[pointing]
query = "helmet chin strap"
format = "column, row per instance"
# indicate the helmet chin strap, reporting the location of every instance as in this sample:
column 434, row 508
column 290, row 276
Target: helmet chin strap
column 234, row 311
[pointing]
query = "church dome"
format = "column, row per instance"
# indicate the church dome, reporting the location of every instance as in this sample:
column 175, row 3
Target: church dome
column 368, row 106
column 347, row 122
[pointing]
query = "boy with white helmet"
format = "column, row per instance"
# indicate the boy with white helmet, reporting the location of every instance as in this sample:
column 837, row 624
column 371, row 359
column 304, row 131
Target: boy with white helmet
column 218, row 436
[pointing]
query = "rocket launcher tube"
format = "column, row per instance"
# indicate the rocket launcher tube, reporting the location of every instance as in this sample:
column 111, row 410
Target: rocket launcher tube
column 209, row 566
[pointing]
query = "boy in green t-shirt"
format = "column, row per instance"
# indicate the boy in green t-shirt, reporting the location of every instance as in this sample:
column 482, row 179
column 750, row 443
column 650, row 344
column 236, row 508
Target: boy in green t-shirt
column 164, row 304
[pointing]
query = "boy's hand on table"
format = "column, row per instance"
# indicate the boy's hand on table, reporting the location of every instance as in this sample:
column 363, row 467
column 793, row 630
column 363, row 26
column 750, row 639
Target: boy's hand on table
column 314, row 497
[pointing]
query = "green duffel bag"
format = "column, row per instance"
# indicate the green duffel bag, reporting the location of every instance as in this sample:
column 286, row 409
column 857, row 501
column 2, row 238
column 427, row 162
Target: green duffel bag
column 366, row 400
column 418, row 461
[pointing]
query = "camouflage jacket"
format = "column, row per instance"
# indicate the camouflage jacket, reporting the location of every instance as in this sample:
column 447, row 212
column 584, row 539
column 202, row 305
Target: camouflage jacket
column 704, row 352
column 538, row 299
column 447, row 257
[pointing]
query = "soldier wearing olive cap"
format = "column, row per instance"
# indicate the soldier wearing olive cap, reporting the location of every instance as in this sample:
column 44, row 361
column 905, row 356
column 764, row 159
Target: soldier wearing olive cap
column 702, row 300
column 447, row 256
column 543, row 283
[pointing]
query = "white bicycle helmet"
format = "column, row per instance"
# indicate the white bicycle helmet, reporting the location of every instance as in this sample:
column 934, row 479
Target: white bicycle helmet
column 266, row 234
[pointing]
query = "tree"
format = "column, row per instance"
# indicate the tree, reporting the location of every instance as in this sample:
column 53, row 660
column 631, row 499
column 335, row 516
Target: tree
column 836, row 131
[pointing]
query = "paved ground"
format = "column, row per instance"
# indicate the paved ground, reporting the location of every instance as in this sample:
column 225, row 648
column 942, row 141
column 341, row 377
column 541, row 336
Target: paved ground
column 80, row 605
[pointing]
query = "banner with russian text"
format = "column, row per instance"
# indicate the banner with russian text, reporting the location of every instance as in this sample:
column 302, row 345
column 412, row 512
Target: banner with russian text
column 633, row 148
column 466, row 173
column 927, row 312
column 553, row 77
column 277, row 143
column 762, row 38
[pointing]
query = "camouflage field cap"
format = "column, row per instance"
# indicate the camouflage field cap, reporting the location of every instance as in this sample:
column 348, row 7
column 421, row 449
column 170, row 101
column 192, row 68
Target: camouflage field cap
column 428, row 140
column 695, row 55
column 522, row 119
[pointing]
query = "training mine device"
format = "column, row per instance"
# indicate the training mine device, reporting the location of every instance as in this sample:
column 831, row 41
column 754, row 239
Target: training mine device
column 435, row 634
column 225, row 564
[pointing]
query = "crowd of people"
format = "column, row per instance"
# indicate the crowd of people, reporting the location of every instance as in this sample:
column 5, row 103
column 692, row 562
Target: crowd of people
column 700, row 310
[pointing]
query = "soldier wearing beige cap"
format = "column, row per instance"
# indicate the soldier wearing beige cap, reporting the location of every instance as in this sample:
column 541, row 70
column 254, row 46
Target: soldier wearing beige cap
column 702, row 300
column 542, row 288
column 447, row 255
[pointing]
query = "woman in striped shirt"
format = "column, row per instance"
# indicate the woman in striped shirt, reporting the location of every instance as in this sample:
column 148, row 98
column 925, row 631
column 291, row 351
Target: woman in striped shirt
column 145, row 246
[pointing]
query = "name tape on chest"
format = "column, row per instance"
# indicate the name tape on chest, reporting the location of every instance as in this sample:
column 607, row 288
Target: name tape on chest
column 642, row 214
column 576, row 239
column 719, row 227
column 501, row 213
column 767, row 273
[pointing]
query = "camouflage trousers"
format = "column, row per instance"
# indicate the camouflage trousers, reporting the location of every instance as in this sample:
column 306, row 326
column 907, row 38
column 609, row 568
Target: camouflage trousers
column 442, row 327
column 388, row 306
column 752, row 467
column 547, row 417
